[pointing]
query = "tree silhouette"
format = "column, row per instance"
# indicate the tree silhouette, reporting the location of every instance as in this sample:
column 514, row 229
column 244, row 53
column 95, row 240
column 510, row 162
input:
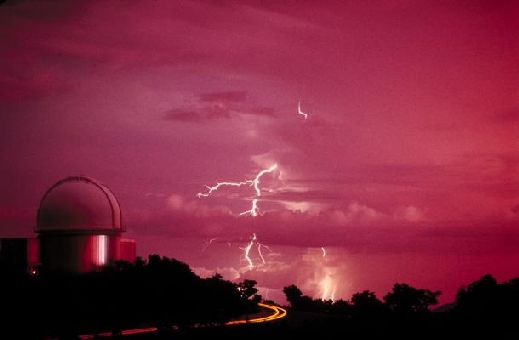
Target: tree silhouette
column 341, row 307
column 160, row 292
column 366, row 305
column 485, row 299
column 164, row 292
column 405, row 300
column 247, row 288
column 293, row 294
column 297, row 300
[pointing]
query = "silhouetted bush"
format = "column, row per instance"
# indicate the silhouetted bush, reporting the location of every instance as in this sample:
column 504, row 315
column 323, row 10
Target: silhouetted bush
column 165, row 293
column 484, row 307
column 409, row 302
column 162, row 292
column 488, row 300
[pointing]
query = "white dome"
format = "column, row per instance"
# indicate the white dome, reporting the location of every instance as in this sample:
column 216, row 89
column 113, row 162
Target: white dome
column 79, row 204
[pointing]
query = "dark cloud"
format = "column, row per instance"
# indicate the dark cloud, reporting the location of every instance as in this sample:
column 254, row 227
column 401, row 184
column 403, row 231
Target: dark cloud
column 262, row 111
column 219, row 105
column 507, row 116
column 207, row 113
column 44, row 10
column 358, row 229
column 17, row 87
column 183, row 115
column 306, row 195
column 226, row 96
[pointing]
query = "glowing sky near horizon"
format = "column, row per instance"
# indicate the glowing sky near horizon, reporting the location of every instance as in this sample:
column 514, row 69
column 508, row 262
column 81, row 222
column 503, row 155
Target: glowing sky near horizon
column 406, row 169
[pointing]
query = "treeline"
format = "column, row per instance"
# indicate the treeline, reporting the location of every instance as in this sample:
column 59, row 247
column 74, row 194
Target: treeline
column 159, row 292
column 483, row 307
column 165, row 293
column 403, row 301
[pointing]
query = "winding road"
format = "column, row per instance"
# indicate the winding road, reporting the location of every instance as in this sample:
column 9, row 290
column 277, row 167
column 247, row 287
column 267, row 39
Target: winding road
column 277, row 313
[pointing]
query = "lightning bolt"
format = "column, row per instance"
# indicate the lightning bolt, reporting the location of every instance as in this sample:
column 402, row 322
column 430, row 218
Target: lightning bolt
column 253, row 211
column 301, row 112
column 247, row 251
column 256, row 182
column 328, row 287
column 328, row 282
column 248, row 248
column 261, row 253
column 222, row 184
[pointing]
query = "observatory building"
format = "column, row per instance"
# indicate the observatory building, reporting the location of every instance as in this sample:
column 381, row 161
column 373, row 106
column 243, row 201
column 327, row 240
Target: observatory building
column 79, row 226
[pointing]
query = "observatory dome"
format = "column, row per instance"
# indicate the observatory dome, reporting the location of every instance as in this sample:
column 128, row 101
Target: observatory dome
column 79, row 204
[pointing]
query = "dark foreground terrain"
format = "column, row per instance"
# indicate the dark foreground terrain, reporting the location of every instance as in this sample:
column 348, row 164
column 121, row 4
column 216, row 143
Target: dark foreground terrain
column 159, row 292
column 166, row 295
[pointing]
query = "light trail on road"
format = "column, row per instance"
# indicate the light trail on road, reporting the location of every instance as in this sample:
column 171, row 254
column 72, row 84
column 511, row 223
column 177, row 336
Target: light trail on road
column 278, row 313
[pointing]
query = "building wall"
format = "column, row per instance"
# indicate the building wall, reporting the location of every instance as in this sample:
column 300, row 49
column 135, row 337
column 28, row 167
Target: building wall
column 20, row 254
column 78, row 252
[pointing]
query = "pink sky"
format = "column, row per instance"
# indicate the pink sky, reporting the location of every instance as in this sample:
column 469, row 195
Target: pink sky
column 407, row 168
